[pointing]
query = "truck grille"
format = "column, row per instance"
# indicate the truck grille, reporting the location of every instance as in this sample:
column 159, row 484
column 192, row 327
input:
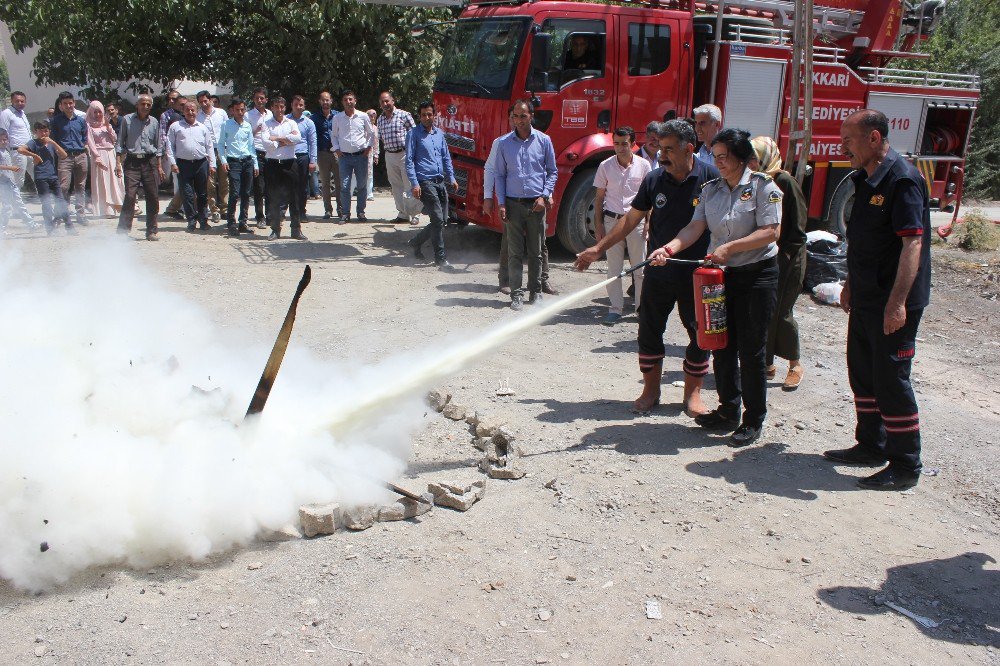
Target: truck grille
column 462, row 178
column 459, row 141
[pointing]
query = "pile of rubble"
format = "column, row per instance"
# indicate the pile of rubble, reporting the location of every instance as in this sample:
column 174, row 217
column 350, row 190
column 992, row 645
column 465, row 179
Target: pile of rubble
column 500, row 455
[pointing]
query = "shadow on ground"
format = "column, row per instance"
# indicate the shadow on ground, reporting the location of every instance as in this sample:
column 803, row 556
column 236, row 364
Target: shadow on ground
column 958, row 593
column 773, row 470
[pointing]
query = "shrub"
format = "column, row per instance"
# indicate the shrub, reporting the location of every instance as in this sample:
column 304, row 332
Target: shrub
column 978, row 232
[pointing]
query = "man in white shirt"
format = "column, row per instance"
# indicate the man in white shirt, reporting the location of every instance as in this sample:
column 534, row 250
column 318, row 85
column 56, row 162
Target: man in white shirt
column 648, row 151
column 214, row 119
column 191, row 152
column 617, row 180
column 351, row 137
column 257, row 116
column 279, row 137
column 14, row 120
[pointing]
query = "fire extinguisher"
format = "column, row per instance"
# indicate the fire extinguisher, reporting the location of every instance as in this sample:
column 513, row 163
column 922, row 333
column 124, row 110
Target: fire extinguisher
column 710, row 306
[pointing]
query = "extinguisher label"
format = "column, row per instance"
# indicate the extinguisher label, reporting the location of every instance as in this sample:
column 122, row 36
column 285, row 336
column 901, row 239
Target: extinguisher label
column 713, row 301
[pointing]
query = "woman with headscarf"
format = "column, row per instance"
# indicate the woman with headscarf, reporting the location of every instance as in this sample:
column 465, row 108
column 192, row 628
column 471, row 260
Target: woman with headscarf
column 107, row 191
column 783, row 333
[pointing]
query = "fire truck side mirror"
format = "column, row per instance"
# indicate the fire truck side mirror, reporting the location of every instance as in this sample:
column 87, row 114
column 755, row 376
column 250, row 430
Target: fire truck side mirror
column 541, row 49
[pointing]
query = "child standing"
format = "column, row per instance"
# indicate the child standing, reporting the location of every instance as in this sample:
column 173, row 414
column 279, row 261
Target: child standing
column 10, row 193
column 43, row 151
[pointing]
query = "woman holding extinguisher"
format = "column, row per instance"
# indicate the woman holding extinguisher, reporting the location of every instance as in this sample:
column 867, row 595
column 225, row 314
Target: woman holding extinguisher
column 742, row 212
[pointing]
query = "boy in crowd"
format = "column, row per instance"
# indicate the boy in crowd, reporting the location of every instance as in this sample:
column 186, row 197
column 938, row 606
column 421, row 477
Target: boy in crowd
column 10, row 193
column 43, row 151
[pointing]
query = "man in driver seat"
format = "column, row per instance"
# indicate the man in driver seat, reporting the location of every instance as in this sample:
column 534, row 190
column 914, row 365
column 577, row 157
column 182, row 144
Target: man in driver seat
column 582, row 54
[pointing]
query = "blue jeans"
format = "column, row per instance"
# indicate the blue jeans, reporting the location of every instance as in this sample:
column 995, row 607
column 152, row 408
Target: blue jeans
column 54, row 208
column 193, row 177
column 357, row 166
column 435, row 199
column 240, row 189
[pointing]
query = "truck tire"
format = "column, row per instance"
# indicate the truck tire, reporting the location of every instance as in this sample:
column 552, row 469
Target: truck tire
column 575, row 226
column 841, row 204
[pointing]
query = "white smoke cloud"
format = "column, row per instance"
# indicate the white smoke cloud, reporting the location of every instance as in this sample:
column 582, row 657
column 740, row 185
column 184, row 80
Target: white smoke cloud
column 107, row 453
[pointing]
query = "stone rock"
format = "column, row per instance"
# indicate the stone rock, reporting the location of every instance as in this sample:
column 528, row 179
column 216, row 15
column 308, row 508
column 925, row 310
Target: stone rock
column 454, row 412
column 481, row 442
column 501, row 457
column 438, row 398
column 488, row 426
column 40, row 651
column 286, row 533
column 472, row 418
column 360, row 517
column 319, row 519
column 405, row 508
column 253, row 566
column 457, row 497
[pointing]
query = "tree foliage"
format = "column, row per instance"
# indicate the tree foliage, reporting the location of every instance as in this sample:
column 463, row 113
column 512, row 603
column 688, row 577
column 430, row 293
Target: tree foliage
column 293, row 47
column 968, row 41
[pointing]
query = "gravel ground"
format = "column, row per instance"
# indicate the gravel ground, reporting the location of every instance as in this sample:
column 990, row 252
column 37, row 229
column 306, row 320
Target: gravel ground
column 761, row 555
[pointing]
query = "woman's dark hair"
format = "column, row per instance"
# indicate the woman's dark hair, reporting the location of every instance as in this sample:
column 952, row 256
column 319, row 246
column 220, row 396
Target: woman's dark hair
column 737, row 141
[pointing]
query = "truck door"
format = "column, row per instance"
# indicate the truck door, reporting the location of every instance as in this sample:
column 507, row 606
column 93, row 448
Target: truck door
column 574, row 86
column 648, row 81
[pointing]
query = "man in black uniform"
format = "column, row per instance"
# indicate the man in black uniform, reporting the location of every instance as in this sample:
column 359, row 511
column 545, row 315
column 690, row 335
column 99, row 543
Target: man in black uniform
column 671, row 192
column 887, row 288
column 581, row 54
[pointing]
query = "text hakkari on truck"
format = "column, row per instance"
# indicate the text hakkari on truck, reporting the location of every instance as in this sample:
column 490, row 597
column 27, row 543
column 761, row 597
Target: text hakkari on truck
column 660, row 60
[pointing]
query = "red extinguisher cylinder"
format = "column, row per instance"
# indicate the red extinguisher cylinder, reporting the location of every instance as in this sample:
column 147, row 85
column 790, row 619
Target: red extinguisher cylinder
column 710, row 307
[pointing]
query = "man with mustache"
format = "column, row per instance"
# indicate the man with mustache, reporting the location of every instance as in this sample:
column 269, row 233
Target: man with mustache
column 669, row 194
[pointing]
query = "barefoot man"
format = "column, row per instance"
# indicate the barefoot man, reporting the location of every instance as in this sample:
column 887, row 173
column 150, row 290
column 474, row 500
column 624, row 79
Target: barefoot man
column 670, row 193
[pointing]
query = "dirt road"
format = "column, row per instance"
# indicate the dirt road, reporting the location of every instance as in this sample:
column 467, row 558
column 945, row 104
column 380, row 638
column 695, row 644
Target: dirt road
column 762, row 555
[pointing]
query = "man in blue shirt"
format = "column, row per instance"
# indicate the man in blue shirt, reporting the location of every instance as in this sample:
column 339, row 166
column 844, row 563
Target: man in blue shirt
column 69, row 130
column 326, row 161
column 239, row 160
column 428, row 166
column 524, row 181
column 305, row 153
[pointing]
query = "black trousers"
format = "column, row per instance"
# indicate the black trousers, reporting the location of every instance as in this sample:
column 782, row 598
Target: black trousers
column 260, row 189
column 435, row 199
column 194, row 186
column 878, row 367
column 144, row 173
column 302, row 191
column 740, row 370
column 282, row 180
column 659, row 295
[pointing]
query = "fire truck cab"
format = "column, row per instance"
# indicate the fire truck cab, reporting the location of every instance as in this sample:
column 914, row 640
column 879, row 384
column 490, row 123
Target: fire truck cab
column 589, row 68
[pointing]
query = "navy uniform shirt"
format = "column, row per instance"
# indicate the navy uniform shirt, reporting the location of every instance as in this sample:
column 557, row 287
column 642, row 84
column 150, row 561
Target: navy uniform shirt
column 672, row 205
column 46, row 169
column 888, row 206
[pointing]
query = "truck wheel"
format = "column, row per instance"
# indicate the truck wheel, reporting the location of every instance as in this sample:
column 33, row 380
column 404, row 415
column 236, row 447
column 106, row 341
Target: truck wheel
column 841, row 204
column 575, row 227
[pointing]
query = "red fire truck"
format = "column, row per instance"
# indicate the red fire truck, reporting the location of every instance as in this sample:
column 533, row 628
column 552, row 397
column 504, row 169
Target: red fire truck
column 660, row 60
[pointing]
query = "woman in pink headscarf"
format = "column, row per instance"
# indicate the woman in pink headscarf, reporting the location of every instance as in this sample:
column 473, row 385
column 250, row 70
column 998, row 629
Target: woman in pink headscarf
column 107, row 191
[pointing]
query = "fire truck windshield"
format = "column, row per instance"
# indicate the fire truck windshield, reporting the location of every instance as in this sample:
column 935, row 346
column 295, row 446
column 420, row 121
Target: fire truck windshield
column 480, row 57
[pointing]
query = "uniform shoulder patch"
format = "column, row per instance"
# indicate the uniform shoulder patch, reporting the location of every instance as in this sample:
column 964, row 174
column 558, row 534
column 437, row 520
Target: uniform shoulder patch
column 774, row 197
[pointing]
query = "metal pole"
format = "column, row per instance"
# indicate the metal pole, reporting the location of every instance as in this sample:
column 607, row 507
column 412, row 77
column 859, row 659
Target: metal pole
column 715, row 52
column 807, row 30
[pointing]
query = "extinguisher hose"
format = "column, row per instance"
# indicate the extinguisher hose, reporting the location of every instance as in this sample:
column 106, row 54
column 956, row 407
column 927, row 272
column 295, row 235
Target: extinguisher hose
column 697, row 262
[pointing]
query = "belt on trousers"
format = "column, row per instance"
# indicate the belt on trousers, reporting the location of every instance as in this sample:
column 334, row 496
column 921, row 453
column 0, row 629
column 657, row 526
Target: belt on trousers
column 74, row 152
column 344, row 152
column 435, row 179
column 756, row 266
column 288, row 161
column 144, row 156
column 617, row 216
column 197, row 161
column 523, row 200
column 394, row 151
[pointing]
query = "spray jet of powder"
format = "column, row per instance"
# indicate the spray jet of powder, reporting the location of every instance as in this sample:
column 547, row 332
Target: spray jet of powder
column 123, row 435
column 122, row 419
